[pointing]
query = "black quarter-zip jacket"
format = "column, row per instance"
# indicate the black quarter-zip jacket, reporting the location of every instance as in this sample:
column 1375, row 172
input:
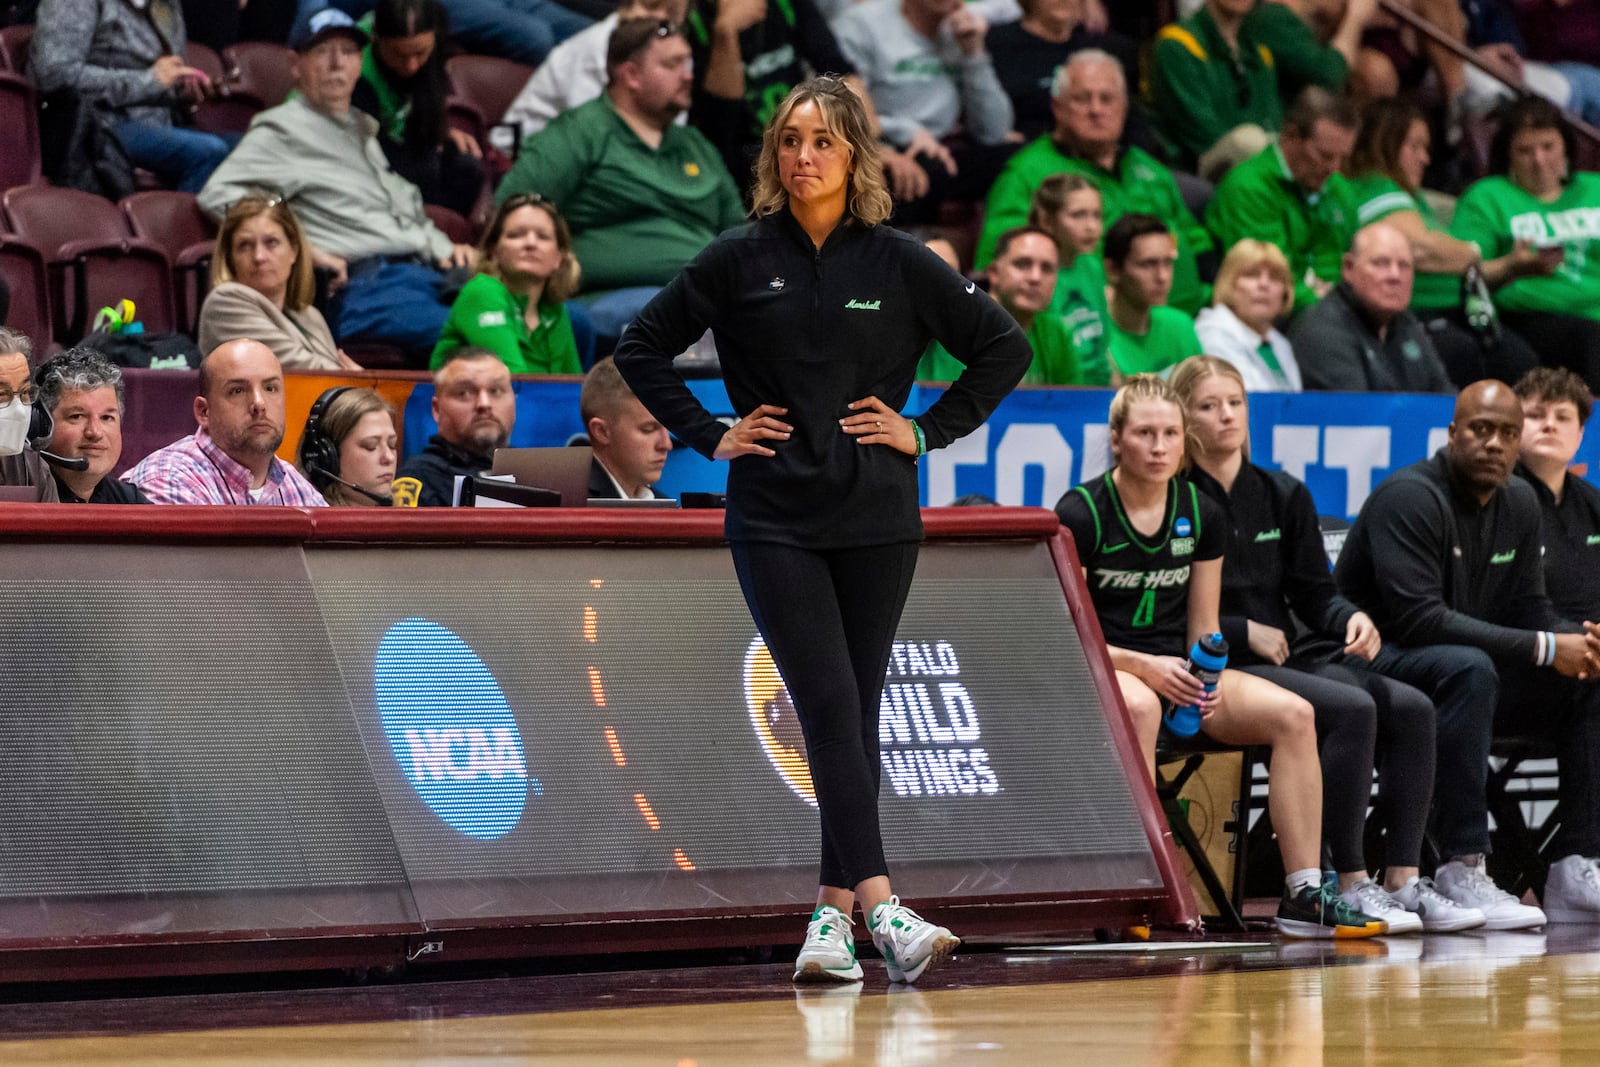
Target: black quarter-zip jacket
column 1571, row 530
column 1432, row 567
column 811, row 330
column 1274, row 561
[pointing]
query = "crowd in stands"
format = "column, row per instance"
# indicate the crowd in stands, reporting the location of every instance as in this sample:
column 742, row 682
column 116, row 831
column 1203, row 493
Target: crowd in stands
column 1291, row 124
column 1237, row 195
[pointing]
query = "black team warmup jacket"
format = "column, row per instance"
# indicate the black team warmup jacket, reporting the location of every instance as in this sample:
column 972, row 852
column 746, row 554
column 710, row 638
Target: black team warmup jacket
column 1433, row 568
column 1274, row 561
column 813, row 330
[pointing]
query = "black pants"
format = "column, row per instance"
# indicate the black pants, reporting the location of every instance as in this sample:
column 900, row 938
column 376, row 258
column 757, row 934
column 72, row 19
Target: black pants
column 1467, row 359
column 446, row 176
column 1537, row 702
column 1363, row 717
column 1571, row 341
column 977, row 166
column 829, row 618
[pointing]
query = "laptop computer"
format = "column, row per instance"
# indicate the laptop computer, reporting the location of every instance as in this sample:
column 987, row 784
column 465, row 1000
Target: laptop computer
column 563, row 470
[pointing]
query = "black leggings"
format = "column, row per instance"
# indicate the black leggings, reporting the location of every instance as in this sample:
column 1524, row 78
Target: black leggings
column 1571, row 341
column 829, row 618
column 1358, row 711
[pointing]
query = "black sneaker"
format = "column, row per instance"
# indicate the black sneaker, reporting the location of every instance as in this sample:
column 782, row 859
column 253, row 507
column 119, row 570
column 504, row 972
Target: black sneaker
column 1318, row 911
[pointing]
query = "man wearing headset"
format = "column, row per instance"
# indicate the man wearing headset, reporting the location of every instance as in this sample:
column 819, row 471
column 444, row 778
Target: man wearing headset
column 230, row 458
column 20, row 465
column 82, row 391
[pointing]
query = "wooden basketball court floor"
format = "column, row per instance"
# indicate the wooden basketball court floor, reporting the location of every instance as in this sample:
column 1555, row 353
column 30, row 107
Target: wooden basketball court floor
column 1501, row 998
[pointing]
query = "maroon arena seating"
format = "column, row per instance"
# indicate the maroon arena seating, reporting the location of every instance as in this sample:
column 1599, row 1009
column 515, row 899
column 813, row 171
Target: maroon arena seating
column 93, row 259
column 204, row 57
column 15, row 44
column 259, row 70
column 486, row 83
column 452, row 224
column 22, row 268
column 19, row 132
column 173, row 221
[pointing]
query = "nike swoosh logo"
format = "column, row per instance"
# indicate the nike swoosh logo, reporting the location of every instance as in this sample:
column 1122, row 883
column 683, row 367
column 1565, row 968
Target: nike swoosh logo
column 972, row 286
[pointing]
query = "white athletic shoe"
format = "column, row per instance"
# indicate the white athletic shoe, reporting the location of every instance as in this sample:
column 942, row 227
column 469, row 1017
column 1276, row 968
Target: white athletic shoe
column 1439, row 914
column 908, row 942
column 1368, row 896
column 829, row 954
column 1572, row 891
column 1469, row 884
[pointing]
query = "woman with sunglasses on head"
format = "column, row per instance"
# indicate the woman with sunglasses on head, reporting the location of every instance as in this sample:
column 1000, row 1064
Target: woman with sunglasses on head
column 820, row 313
column 262, row 289
column 1275, row 573
column 515, row 306
column 1151, row 548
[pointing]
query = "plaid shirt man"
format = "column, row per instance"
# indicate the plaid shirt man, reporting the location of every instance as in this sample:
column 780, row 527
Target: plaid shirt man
column 196, row 471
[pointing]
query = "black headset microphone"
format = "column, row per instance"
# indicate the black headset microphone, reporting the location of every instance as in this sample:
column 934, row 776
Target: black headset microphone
column 41, row 428
column 321, row 455
column 376, row 498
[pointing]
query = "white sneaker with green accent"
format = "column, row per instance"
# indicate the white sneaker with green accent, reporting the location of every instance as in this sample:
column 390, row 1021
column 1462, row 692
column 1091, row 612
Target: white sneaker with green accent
column 908, row 942
column 829, row 954
column 1369, row 897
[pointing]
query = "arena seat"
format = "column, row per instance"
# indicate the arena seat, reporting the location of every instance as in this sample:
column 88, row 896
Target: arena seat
column 19, row 121
column 259, row 70
column 487, row 83
column 15, row 44
column 228, row 112
column 173, row 221
column 23, row 271
column 93, row 258
column 205, row 58
column 458, row 229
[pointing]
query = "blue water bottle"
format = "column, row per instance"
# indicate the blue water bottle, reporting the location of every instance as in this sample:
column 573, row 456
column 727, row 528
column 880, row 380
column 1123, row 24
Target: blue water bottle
column 1206, row 660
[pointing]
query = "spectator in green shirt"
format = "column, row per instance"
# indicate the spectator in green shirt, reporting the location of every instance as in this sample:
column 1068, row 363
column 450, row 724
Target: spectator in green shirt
column 1068, row 208
column 1090, row 100
column 1299, row 56
column 1022, row 279
column 1292, row 195
column 1214, row 87
column 1388, row 162
column 1534, row 196
column 1146, row 335
column 514, row 305
column 643, row 195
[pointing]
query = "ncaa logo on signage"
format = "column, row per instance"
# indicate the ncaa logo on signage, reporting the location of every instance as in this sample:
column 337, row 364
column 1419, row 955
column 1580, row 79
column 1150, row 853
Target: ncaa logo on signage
column 451, row 730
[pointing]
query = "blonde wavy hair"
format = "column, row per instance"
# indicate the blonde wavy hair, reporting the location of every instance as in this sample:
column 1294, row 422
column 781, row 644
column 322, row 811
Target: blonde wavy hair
column 867, row 195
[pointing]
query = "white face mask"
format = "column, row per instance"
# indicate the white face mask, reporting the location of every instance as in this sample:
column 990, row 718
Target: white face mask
column 14, row 418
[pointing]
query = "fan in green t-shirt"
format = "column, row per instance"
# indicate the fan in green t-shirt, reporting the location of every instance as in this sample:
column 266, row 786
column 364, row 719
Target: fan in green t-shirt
column 1146, row 335
column 1532, row 199
column 514, row 307
column 1022, row 279
column 1388, row 162
column 1068, row 207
